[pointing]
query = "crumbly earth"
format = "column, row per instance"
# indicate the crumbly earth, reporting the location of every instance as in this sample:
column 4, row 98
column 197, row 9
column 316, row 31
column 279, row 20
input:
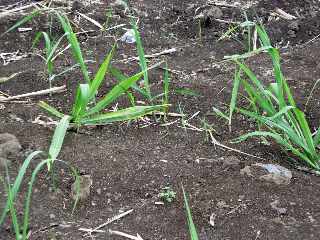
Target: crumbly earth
column 131, row 163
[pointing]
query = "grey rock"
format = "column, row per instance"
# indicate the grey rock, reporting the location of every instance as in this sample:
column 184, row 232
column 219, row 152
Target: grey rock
column 246, row 171
column 6, row 137
column 222, row 204
column 275, row 206
column 230, row 161
column 276, row 178
column 77, row 5
column 292, row 33
column 294, row 26
column 213, row 13
column 81, row 191
column 119, row 3
column 9, row 147
column 4, row 162
column 268, row 172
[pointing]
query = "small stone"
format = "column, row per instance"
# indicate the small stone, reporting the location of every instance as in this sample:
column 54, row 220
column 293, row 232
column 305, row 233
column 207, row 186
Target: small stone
column 119, row 3
column 4, row 162
column 241, row 197
column 117, row 196
column 81, row 190
column 16, row 118
column 275, row 206
column 231, row 161
column 292, row 33
column 246, row 171
column 6, row 137
column 99, row 191
column 9, row 146
column 52, row 216
column 294, row 26
column 213, row 13
column 275, row 173
column 76, row 6
column 222, row 204
column 275, row 178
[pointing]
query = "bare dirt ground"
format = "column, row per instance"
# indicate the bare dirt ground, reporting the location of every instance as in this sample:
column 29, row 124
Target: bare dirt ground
column 129, row 165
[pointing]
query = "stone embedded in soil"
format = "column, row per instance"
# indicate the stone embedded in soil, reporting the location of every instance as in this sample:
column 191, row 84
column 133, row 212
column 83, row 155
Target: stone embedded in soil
column 4, row 162
column 119, row 3
column 208, row 15
column 82, row 191
column 294, row 26
column 9, row 147
column 76, row 5
column 230, row 161
column 226, row 162
column 275, row 178
column 275, row 206
column 222, row 204
column 272, row 173
column 213, row 13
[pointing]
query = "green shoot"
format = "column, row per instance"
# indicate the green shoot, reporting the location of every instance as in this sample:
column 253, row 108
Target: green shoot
column 23, row 21
column 75, row 46
column 166, row 82
column 51, row 48
column 192, row 228
column 108, row 18
column 187, row 92
column 142, row 61
column 57, row 140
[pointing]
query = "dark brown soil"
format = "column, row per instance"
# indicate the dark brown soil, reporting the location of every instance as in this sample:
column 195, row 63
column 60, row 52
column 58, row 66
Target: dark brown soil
column 130, row 164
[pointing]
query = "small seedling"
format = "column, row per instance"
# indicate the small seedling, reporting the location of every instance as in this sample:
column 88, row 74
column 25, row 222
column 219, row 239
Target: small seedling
column 208, row 129
column 51, row 51
column 109, row 12
column 167, row 194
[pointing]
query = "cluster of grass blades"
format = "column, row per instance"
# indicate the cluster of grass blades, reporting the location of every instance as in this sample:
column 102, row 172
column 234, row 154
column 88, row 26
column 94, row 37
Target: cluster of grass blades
column 145, row 88
column 246, row 29
column 12, row 190
column 273, row 107
column 81, row 113
column 86, row 110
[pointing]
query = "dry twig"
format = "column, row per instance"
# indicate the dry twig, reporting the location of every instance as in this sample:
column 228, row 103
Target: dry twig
column 32, row 94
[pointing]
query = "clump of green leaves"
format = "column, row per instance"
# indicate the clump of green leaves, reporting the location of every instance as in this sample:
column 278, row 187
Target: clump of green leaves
column 273, row 107
column 83, row 111
column 167, row 194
